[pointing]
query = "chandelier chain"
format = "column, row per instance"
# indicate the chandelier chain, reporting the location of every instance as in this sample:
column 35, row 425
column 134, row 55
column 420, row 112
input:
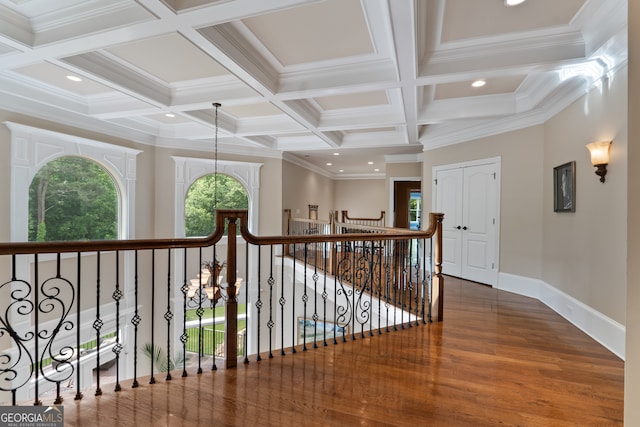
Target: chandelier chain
column 215, row 158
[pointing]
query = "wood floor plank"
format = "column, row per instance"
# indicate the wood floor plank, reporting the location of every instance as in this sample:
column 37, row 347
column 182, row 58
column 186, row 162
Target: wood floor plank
column 497, row 358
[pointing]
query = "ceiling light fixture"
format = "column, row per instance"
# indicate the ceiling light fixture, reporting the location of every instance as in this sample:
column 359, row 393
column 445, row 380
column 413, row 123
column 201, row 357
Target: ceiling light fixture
column 329, row 163
column 74, row 78
column 479, row 83
column 336, row 154
column 376, row 170
column 369, row 163
column 170, row 115
column 510, row 3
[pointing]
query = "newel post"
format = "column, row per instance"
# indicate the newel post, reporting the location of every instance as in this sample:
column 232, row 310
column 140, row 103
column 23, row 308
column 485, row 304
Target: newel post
column 231, row 305
column 437, row 293
column 287, row 229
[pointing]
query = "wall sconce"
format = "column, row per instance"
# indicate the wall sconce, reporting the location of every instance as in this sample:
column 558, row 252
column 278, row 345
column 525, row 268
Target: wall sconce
column 600, row 157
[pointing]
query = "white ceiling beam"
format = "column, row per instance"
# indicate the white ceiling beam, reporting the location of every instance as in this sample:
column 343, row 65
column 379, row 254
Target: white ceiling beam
column 403, row 22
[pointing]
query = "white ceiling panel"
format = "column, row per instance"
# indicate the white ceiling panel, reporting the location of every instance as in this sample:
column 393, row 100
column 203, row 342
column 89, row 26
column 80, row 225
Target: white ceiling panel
column 53, row 75
column 171, row 58
column 353, row 100
column 318, row 32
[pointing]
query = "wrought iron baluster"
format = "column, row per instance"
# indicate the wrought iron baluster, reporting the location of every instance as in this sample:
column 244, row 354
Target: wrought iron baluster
column 315, row 295
column 396, row 282
column 258, row 305
column 305, row 299
column 117, row 296
column 381, row 265
column 13, row 368
column 152, row 379
column 214, row 301
column 417, row 282
column 430, row 294
column 168, row 315
column 184, row 337
column 409, row 282
column 246, row 298
column 135, row 321
column 403, row 281
column 97, row 325
column 425, row 273
column 372, row 275
column 38, row 360
column 58, row 297
column 324, row 292
column 293, row 298
column 282, row 302
column 200, row 312
column 271, row 281
column 335, row 289
column 388, row 281
column 78, row 395
column 354, row 278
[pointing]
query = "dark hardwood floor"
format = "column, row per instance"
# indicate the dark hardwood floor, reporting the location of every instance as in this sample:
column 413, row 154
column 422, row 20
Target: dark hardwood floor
column 497, row 359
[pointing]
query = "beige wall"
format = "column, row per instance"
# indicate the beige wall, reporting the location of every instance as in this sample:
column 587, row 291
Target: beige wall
column 302, row 187
column 584, row 253
column 632, row 364
column 521, row 192
column 362, row 198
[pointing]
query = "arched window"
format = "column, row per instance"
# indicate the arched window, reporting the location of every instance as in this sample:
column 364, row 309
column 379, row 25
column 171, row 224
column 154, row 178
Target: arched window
column 33, row 148
column 72, row 198
column 220, row 190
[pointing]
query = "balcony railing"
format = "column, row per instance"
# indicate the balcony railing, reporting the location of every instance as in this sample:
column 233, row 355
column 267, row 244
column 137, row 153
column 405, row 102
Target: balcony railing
column 77, row 315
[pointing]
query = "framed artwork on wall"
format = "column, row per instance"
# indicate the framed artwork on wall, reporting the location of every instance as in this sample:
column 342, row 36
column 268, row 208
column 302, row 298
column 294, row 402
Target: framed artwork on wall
column 564, row 187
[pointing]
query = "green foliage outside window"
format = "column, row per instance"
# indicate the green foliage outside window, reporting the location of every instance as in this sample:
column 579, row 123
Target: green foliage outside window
column 413, row 210
column 199, row 208
column 72, row 198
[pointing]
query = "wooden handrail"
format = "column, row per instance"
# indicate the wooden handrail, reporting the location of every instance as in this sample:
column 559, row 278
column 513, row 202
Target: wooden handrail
column 346, row 217
column 435, row 221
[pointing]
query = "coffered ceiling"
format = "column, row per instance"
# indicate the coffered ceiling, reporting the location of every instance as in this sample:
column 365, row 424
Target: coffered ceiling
column 354, row 83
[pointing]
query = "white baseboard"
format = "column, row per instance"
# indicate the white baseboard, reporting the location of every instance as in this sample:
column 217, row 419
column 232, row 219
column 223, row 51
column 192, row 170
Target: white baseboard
column 601, row 328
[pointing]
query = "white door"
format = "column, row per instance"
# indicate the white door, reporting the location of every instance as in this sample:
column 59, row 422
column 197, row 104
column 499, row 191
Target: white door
column 449, row 201
column 468, row 196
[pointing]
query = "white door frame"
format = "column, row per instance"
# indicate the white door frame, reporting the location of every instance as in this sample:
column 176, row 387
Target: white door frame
column 492, row 160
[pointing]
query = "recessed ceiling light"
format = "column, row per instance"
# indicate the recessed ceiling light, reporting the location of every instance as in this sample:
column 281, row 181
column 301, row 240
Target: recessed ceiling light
column 170, row 115
column 369, row 163
column 376, row 170
column 329, row 163
column 509, row 3
column 479, row 83
column 74, row 78
column 336, row 154
column 341, row 170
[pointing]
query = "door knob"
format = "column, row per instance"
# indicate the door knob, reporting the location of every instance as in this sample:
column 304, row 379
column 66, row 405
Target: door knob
column 458, row 227
column 464, row 228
